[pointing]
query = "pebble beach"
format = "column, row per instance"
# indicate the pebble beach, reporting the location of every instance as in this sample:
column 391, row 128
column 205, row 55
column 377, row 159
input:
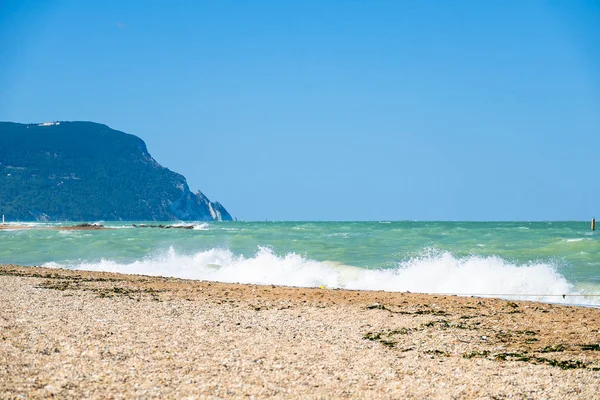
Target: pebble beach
column 75, row 334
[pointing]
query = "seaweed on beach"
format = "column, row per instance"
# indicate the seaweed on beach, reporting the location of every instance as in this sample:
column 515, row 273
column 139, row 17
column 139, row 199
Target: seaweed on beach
column 437, row 352
column 593, row 347
column 54, row 275
column 385, row 337
column 60, row 285
column 133, row 294
column 481, row 354
column 524, row 357
column 553, row 349
column 102, row 292
column 378, row 306
column 517, row 343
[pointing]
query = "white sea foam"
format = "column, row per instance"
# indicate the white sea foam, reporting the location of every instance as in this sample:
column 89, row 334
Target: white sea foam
column 32, row 224
column 434, row 272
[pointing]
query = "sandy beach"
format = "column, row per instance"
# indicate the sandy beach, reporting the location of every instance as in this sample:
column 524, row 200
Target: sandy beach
column 74, row 334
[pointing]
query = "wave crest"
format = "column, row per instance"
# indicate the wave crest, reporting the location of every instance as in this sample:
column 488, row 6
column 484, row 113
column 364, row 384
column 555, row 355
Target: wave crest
column 433, row 272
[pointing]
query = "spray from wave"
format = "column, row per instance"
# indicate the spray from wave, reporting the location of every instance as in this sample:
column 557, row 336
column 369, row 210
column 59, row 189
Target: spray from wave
column 433, row 272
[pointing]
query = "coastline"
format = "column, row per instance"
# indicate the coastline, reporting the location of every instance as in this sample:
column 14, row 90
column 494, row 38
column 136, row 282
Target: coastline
column 96, row 334
column 87, row 227
column 81, row 227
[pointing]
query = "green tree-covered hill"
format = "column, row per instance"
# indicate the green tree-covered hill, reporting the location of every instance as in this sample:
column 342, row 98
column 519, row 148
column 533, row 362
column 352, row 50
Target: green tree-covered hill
column 84, row 171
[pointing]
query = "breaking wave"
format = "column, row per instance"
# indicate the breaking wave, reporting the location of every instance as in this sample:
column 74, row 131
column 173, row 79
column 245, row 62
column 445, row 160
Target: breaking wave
column 433, row 272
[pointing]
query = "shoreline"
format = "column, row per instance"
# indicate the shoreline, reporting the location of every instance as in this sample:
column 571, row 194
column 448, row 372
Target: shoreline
column 87, row 227
column 98, row 334
column 500, row 297
column 80, row 227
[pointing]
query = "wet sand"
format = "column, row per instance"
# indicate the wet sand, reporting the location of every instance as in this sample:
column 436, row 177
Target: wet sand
column 76, row 334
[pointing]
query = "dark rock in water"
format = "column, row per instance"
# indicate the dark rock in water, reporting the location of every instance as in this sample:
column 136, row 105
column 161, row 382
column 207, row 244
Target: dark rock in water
column 85, row 227
column 82, row 171
column 90, row 226
column 164, row 226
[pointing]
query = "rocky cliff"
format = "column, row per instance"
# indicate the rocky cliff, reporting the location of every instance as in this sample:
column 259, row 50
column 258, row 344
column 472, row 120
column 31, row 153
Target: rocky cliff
column 84, row 171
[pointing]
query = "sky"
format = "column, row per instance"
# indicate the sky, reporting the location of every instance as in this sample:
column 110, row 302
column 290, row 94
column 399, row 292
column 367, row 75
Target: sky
column 331, row 110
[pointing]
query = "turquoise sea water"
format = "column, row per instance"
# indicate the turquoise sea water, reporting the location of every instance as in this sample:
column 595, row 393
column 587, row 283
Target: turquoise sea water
column 504, row 259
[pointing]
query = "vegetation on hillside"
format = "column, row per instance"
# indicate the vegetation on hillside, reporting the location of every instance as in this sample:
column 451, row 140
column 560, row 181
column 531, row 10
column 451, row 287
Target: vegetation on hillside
column 84, row 171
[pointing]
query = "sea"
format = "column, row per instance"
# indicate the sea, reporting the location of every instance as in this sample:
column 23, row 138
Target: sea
column 554, row 262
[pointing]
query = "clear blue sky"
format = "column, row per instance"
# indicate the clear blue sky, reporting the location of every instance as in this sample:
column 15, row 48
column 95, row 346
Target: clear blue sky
column 331, row 110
